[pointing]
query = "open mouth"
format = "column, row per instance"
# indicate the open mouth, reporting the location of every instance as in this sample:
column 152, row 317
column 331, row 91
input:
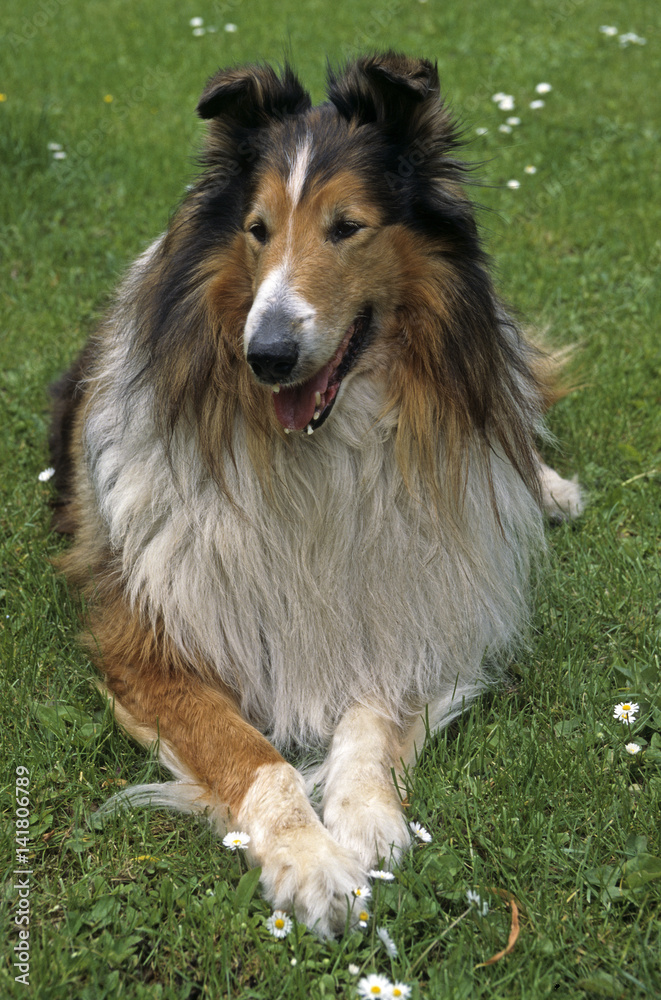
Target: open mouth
column 305, row 407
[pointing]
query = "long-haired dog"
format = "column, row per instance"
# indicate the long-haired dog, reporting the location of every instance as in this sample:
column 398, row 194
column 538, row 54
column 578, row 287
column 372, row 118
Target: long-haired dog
column 298, row 458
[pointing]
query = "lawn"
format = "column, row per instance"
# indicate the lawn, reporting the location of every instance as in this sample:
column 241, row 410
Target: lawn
column 532, row 799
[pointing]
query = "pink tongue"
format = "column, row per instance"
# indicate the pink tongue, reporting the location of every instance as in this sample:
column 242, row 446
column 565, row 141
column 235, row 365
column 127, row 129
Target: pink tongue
column 295, row 405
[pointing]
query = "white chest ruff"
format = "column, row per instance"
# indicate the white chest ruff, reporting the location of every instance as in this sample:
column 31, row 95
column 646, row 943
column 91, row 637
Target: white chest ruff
column 340, row 589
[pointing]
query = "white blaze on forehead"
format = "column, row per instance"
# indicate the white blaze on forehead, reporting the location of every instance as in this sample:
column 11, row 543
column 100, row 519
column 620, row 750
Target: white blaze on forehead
column 299, row 169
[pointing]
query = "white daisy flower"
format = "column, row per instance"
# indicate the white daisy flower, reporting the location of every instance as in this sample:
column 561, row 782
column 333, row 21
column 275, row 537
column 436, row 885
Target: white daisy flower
column 626, row 711
column 514, row 185
column 537, row 104
column 481, row 131
column 420, row 832
column 363, row 918
column 53, row 146
column 382, row 875
column 46, row 475
column 631, row 38
column 374, row 986
column 387, row 941
column 362, row 892
column 474, row 899
column 500, row 96
column 632, row 748
column 293, row 962
column 507, row 103
column 505, row 128
column 543, row 88
column 608, row 29
column 231, row 28
column 353, row 970
column 279, row 924
column 198, row 32
column 236, row 840
column 196, row 22
column 513, row 121
column 401, row 990
column 59, row 154
column 530, row 169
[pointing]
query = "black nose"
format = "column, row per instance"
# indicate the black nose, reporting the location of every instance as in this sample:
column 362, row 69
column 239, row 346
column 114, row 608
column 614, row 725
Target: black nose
column 272, row 360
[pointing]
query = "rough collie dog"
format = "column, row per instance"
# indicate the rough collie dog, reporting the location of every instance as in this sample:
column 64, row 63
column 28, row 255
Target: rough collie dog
column 298, row 458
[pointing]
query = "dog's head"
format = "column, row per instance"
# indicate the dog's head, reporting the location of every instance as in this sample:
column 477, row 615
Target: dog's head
column 347, row 214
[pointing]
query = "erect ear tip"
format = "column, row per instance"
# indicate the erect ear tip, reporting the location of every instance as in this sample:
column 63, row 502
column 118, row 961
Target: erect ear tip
column 420, row 76
column 220, row 91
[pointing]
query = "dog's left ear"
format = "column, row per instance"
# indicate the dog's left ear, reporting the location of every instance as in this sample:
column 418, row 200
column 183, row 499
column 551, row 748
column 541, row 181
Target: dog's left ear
column 390, row 90
column 253, row 95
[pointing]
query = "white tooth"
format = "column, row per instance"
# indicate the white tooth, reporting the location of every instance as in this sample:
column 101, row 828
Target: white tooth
column 317, row 399
column 276, row 387
column 310, row 430
column 316, row 415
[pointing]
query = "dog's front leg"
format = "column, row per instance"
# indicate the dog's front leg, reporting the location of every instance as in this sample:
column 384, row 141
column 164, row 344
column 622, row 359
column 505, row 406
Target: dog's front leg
column 229, row 769
column 361, row 804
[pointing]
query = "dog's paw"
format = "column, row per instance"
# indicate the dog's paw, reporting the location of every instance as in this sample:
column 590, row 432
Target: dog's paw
column 370, row 822
column 562, row 499
column 306, row 872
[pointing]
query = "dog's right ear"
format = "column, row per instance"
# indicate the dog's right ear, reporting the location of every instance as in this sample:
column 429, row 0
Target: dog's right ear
column 253, row 96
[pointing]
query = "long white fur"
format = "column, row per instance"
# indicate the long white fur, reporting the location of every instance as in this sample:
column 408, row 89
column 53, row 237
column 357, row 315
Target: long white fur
column 278, row 589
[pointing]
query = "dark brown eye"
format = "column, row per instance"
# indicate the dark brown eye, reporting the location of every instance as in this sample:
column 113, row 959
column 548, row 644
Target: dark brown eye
column 343, row 229
column 259, row 231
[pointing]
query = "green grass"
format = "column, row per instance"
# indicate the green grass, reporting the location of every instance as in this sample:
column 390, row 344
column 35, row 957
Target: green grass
column 532, row 792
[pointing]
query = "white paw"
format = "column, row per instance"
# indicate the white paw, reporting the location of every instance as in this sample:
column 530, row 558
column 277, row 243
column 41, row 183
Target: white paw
column 370, row 823
column 305, row 871
column 561, row 498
